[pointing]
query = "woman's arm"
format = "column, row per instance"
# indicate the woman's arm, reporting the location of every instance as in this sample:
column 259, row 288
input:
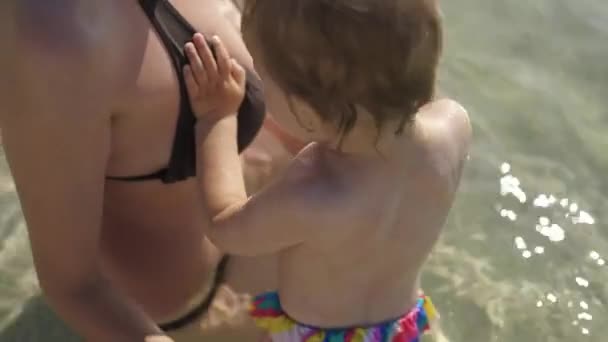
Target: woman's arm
column 56, row 129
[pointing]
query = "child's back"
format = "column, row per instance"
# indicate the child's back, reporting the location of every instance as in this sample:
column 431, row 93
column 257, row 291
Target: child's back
column 374, row 220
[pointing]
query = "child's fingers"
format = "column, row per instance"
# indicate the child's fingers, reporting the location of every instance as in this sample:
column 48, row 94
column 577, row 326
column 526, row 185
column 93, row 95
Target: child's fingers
column 193, row 58
column 238, row 72
column 223, row 59
column 207, row 57
column 197, row 67
column 191, row 86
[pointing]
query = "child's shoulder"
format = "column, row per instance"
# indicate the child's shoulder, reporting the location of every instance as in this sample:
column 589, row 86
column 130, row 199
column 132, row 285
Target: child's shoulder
column 446, row 136
column 304, row 163
column 448, row 125
column 302, row 174
column 305, row 187
column 450, row 114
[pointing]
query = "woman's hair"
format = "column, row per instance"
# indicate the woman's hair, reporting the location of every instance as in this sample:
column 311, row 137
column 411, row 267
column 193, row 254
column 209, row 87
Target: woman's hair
column 341, row 55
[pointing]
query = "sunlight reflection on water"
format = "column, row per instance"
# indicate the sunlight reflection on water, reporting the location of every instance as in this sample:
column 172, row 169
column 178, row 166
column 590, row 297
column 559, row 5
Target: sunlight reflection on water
column 559, row 218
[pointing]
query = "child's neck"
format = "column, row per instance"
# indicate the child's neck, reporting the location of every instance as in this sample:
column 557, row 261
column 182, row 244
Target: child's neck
column 364, row 140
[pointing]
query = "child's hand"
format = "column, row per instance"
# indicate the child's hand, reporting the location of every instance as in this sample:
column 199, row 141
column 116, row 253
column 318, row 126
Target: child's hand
column 216, row 88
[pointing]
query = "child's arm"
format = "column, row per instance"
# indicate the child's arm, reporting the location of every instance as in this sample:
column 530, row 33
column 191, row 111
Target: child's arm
column 264, row 223
column 240, row 225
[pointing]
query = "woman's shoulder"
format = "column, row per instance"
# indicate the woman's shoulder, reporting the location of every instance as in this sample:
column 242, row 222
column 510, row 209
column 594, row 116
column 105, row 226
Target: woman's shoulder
column 57, row 55
column 64, row 33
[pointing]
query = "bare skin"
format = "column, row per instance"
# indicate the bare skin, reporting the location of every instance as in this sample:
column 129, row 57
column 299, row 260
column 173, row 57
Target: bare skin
column 88, row 91
column 379, row 203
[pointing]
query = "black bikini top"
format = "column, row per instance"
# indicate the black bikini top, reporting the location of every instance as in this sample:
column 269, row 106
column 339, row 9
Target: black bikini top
column 175, row 32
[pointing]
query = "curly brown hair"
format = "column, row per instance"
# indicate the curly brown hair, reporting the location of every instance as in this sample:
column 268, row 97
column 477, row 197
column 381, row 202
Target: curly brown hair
column 341, row 55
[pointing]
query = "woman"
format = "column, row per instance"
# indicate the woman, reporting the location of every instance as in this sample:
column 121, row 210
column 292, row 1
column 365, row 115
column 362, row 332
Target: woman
column 103, row 174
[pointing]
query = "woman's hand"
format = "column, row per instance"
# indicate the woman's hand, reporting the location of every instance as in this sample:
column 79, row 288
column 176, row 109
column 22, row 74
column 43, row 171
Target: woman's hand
column 216, row 86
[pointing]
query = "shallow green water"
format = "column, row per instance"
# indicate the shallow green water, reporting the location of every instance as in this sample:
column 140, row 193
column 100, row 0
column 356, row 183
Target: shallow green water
column 524, row 255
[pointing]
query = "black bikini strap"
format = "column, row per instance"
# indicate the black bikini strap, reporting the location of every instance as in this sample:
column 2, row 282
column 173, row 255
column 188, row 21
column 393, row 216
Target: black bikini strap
column 198, row 311
column 174, row 32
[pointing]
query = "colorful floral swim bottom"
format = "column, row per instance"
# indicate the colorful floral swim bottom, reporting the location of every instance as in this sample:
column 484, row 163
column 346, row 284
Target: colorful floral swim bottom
column 268, row 314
